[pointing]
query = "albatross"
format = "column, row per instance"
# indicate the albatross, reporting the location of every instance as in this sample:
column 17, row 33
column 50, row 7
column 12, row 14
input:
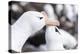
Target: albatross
column 27, row 25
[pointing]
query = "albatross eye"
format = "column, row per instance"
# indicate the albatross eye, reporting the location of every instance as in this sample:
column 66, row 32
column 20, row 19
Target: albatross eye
column 40, row 18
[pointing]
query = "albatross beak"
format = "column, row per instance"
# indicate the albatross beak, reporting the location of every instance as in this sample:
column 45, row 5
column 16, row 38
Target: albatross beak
column 50, row 22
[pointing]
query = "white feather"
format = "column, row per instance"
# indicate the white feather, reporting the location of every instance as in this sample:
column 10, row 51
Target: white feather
column 50, row 11
column 68, row 9
column 54, row 40
column 26, row 25
column 16, row 8
column 68, row 40
column 59, row 8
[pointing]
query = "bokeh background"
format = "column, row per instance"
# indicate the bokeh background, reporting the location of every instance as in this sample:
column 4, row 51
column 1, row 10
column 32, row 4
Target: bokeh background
column 66, row 14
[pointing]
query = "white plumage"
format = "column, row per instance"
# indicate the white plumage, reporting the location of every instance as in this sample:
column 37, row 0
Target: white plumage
column 16, row 8
column 68, row 40
column 50, row 11
column 59, row 8
column 29, row 23
column 55, row 40
column 52, row 42
column 69, row 12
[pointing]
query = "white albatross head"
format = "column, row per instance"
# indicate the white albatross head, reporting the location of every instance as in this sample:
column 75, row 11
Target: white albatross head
column 37, row 20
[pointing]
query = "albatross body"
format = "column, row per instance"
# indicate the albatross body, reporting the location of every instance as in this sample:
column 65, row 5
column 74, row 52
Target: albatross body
column 57, row 40
column 53, row 40
column 29, row 23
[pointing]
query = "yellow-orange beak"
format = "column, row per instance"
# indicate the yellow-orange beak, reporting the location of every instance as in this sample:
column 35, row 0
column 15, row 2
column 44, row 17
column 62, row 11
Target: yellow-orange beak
column 50, row 22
